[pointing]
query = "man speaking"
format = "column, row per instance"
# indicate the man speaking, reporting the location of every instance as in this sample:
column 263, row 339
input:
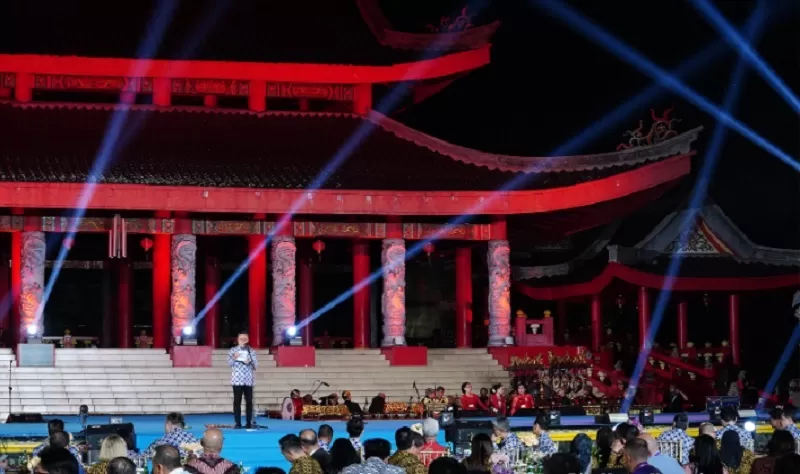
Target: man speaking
column 243, row 362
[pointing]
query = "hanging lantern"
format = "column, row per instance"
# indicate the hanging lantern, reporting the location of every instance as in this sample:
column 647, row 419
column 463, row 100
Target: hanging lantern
column 428, row 248
column 318, row 247
column 146, row 244
column 706, row 300
column 620, row 301
column 68, row 242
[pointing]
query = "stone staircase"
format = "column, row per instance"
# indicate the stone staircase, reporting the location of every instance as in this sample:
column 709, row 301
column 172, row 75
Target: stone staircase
column 134, row 381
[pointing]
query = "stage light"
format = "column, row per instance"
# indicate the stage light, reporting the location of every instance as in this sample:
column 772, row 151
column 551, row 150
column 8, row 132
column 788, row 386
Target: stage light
column 32, row 329
column 290, row 337
column 189, row 336
column 291, row 331
column 188, row 331
column 749, row 426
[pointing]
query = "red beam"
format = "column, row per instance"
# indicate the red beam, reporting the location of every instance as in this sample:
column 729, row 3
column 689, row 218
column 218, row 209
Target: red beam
column 281, row 201
column 247, row 71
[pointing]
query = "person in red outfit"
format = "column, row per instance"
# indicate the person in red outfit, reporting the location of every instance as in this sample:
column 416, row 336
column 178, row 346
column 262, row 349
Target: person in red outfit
column 298, row 403
column 521, row 400
column 498, row 404
column 470, row 401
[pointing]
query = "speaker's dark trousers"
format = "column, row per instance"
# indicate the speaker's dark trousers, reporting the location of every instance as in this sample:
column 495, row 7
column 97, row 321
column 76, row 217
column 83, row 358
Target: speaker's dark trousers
column 238, row 390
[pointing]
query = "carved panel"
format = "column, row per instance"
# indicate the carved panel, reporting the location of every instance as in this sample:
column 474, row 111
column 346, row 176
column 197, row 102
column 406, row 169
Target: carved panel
column 393, row 299
column 447, row 232
column 227, row 227
column 78, row 83
column 32, row 276
column 285, row 90
column 8, row 79
column 184, row 262
column 140, row 226
column 359, row 230
column 6, row 224
column 284, row 288
column 499, row 292
column 230, row 87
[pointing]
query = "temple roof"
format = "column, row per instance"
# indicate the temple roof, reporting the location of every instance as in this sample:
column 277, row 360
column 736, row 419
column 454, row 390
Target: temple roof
column 187, row 146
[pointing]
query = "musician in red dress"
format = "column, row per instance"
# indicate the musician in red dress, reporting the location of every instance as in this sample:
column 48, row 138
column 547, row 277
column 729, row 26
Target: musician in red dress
column 521, row 400
column 498, row 405
column 298, row 403
column 470, row 401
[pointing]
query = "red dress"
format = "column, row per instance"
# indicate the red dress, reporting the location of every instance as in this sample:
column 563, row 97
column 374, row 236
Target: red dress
column 298, row 407
column 497, row 404
column 519, row 402
column 472, row 402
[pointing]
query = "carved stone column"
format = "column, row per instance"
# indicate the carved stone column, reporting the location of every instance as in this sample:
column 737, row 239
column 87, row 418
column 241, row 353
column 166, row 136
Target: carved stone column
column 393, row 300
column 32, row 278
column 499, row 292
column 284, row 286
column 183, row 266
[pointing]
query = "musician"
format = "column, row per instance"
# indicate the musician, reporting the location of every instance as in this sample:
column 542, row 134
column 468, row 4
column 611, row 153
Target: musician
column 440, row 396
column 521, row 400
column 497, row 401
column 298, row 403
column 429, row 397
column 470, row 401
column 243, row 362
column 352, row 406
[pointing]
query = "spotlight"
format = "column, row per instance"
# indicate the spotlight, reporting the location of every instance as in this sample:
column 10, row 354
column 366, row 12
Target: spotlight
column 189, row 336
column 34, row 337
column 188, row 331
column 32, row 329
column 749, row 426
column 291, row 331
column 290, row 337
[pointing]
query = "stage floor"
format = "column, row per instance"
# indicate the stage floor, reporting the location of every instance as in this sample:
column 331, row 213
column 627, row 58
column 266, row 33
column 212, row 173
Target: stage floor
column 256, row 448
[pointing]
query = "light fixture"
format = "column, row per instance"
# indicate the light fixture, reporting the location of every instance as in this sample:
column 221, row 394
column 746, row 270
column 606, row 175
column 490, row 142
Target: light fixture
column 32, row 329
column 189, row 336
column 290, row 337
column 291, row 331
column 34, row 337
column 749, row 426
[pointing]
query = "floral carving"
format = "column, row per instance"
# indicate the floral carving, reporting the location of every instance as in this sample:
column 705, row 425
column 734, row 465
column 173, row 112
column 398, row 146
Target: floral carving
column 32, row 284
column 284, row 289
column 499, row 292
column 393, row 300
column 184, row 264
column 660, row 130
column 460, row 23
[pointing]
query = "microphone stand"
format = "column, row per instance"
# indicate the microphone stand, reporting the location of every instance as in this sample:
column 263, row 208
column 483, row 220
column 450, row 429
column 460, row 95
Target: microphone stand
column 9, row 389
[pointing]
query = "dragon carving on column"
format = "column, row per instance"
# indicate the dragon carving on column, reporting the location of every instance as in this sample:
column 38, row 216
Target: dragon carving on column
column 32, row 276
column 499, row 292
column 393, row 299
column 184, row 267
column 284, row 287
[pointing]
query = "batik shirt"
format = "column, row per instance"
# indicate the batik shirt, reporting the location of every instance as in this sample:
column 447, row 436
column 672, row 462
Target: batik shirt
column 677, row 435
column 546, row 445
column 373, row 466
column 356, row 442
column 510, row 445
column 324, row 445
column 745, row 438
column 242, row 374
column 176, row 438
column 411, row 463
column 305, row 465
column 794, row 431
column 210, row 464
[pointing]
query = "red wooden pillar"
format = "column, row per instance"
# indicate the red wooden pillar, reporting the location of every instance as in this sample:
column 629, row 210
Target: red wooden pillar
column 210, row 290
column 463, row 297
column 361, row 296
column 597, row 324
column 683, row 325
column 162, row 92
column 305, row 303
column 124, row 291
column 257, row 100
column 23, row 89
column 162, row 289
column 362, row 102
column 16, row 287
column 257, row 290
column 644, row 316
column 733, row 320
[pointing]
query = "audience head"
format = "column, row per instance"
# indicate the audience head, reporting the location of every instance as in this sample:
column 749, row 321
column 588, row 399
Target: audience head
column 212, row 441
column 121, row 465
column 174, row 421
column 343, row 454
column 707, row 428
column 706, row 454
column 403, row 439
column 57, row 460
column 781, row 443
column 626, row 432
column 355, row 426
column 681, row 421
column 166, row 459
column 59, row 439
column 377, row 448
column 652, row 445
column 54, row 425
column 430, row 429
column 561, row 463
column 788, row 464
column 270, row 470
column 325, row 433
column 501, row 426
column 243, row 338
column 484, row 392
column 446, row 465
column 780, row 418
column 540, row 424
column 731, row 449
column 291, row 447
column 113, row 447
column 482, row 449
column 309, row 441
column 581, row 449
column 636, row 452
column 729, row 415
column 604, row 439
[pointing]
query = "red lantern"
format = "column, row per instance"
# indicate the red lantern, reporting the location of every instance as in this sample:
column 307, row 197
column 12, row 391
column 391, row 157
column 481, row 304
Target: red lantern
column 318, row 246
column 428, row 248
column 68, row 242
column 146, row 243
column 620, row 301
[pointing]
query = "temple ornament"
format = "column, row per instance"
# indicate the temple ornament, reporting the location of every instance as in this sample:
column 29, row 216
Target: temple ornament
column 184, row 265
column 393, row 299
column 32, row 280
column 660, row 130
column 284, row 287
column 499, row 292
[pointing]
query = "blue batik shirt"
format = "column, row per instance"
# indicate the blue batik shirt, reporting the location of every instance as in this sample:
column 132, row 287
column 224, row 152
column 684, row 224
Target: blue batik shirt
column 242, row 374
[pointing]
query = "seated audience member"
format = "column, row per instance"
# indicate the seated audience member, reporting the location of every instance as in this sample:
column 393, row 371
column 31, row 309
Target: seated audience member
column 481, row 450
column 789, row 464
column 302, row 463
column 677, row 434
column 325, row 436
column 55, row 460
column 546, row 445
column 352, row 406
column 446, row 465
column 121, row 465
column 734, row 456
column 662, row 462
column 355, row 426
column 378, row 404
column 504, row 440
column 706, row 458
column 730, row 416
column 343, row 454
column 783, row 419
column 581, row 449
column 53, row 426
column 408, row 444
column 636, row 455
column 707, row 428
column 781, row 444
column 376, row 452
column 431, row 449
column 112, row 447
column 605, row 456
column 174, row 434
column 211, row 461
column 561, row 463
column 166, row 460
column 310, row 443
